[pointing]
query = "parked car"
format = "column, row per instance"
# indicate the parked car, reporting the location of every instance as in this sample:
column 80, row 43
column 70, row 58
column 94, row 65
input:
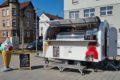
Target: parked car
column 32, row 45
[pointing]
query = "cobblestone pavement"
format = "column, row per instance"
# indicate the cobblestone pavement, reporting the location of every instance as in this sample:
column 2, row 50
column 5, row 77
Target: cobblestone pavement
column 38, row 73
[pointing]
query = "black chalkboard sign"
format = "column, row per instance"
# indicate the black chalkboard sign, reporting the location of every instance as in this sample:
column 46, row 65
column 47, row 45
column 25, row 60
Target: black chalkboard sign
column 24, row 61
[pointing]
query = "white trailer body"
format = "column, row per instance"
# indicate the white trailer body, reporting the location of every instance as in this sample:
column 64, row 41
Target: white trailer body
column 87, row 39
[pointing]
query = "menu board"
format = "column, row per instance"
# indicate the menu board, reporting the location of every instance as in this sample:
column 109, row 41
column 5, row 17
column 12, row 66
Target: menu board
column 24, row 61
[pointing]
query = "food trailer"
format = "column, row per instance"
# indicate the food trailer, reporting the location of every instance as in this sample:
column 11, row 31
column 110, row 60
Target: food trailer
column 73, row 41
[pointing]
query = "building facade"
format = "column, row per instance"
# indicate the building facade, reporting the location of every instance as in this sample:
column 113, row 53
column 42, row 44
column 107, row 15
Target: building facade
column 12, row 15
column 8, row 19
column 106, row 9
column 27, row 22
column 43, row 22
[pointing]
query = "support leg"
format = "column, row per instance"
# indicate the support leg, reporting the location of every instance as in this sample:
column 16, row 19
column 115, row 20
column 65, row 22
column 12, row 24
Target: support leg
column 46, row 63
column 80, row 68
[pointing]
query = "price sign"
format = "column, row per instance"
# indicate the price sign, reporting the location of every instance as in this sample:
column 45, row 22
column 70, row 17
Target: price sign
column 25, row 61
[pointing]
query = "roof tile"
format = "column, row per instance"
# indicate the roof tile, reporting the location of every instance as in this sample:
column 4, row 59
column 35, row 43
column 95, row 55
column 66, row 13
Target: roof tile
column 52, row 17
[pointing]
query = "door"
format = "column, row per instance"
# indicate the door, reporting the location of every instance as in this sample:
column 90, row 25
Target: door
column 112, row 42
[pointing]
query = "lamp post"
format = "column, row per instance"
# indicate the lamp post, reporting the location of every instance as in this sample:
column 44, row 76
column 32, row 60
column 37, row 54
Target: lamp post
column 36, row 31
column 22, row 32
column 36, row 26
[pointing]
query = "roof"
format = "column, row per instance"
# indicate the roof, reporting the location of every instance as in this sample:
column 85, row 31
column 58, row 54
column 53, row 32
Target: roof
column 22, row 5
column 90, row 22
column 4, row 4
column 25, row 4
column 52, row 17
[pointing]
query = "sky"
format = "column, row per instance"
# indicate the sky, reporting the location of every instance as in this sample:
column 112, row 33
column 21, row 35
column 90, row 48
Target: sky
column 54, row 7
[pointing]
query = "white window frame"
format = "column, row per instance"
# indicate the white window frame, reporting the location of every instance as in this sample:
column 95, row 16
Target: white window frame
column 14, row 11
column 3, row 12
column 74, row 14
column 7, row 12
column 75, row 1
column 3, row 22
column 5, row 33
column 7, row 22
column 106, row 10
column 89, row 13
column 14, row 22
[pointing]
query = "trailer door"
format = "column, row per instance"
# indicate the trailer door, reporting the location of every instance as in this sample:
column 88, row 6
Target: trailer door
column 112, row 42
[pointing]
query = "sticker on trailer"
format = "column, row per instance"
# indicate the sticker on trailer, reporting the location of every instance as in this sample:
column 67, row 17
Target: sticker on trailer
column 56, row 51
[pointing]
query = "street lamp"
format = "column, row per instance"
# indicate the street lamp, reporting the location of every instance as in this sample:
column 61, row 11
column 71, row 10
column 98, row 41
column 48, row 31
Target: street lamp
column 36, row 31
column 36, row 26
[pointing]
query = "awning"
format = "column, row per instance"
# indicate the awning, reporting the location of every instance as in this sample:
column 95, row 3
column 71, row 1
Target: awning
column 75, row 22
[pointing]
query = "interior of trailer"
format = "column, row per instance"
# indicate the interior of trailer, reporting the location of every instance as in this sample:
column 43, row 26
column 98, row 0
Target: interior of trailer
column 84, row 31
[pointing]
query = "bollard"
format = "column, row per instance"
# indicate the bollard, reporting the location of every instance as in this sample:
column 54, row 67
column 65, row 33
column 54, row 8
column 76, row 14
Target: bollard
column 46, row 47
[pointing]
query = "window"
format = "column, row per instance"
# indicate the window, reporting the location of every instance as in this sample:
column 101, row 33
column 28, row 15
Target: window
column 28, row 24
column 14, row 33
column 3, row 12
column 74, row 14
column 69, row 35
column 5, row 34
column 31, row 15
column 3, row 23
column 7, row 23
column 28, row 34
column 7, row 12
column 14, row 13
column 41, row 28
column 27, row 14
column 75, row 1
column 14, row 22
column 106, row 10
column 89, row 12
column 25, row 34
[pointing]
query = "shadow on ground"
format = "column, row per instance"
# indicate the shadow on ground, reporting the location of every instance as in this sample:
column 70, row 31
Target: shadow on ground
column 36, row 67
